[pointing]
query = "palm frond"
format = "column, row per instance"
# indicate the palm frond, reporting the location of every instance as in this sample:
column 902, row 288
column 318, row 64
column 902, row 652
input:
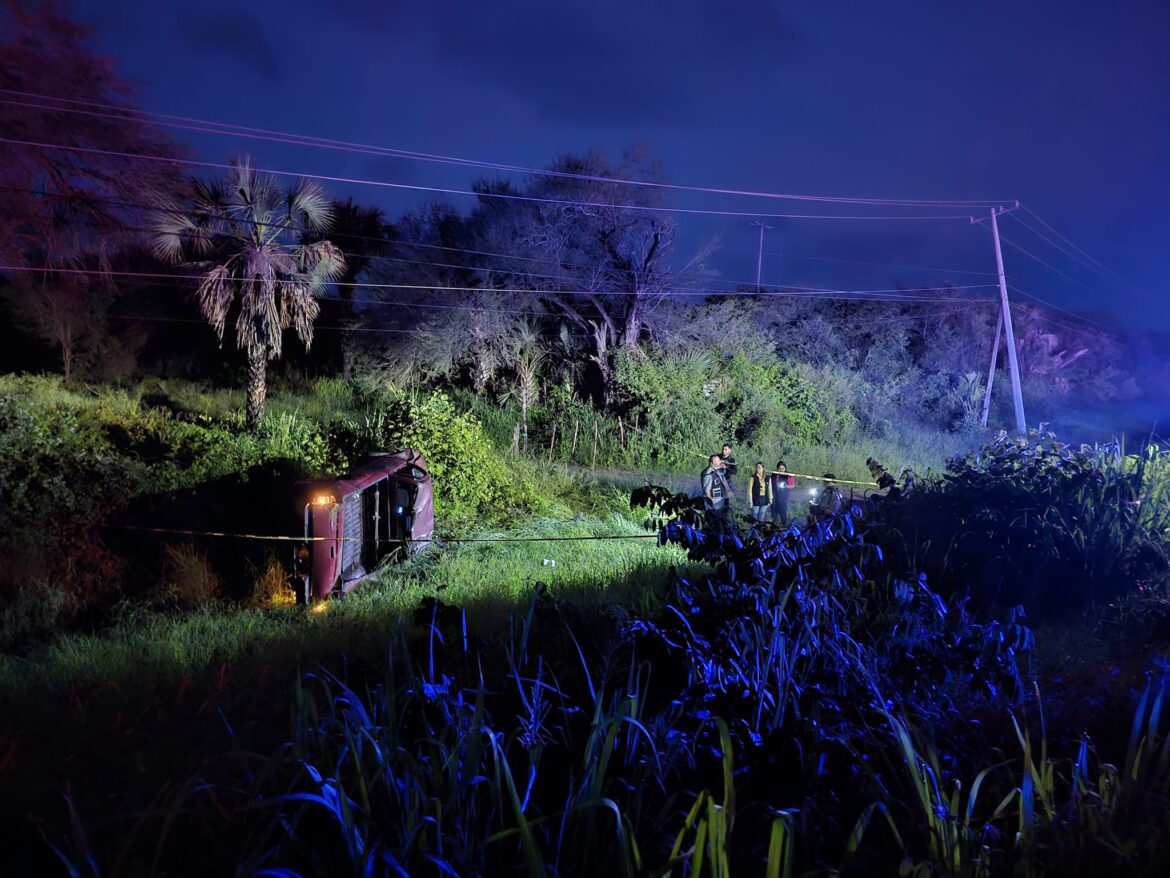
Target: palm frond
column 298, row 309
column 323, row 261
column 215, row 296
column 258, row 327
column 309, row 206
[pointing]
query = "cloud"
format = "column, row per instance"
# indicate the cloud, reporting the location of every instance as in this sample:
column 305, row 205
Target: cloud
column 238, row 35
column 606, row 61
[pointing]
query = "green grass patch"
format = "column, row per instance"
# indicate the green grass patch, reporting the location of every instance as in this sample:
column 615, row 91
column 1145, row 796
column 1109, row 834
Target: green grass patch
column 492, row 580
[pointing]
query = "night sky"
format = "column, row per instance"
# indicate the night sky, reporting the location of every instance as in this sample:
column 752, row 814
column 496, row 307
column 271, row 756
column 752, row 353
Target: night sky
column 1065, row 106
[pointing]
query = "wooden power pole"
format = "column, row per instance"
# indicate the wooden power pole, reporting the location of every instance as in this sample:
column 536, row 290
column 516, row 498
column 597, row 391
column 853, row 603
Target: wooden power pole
column 1004, row 322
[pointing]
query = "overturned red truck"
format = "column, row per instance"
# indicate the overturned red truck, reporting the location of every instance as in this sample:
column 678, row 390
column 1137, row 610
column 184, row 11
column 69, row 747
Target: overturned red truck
column 381, row 511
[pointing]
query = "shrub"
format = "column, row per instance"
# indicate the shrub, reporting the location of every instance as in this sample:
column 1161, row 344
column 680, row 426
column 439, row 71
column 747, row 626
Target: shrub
column 470, row 477
column 694, row 402
column 32, row 613
column 1033, row 520
column 467, row 472
column 270, row 584
column 190, row 580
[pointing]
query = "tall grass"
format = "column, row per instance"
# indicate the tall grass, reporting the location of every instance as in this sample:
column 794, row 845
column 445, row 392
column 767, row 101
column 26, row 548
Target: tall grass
column 638, row 449
column 1036, row 813
column 491, row 579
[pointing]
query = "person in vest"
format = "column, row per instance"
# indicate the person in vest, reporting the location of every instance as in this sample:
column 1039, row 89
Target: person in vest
column 782, row 487
column 716, row 491
column 829, row 501
column 760, row 493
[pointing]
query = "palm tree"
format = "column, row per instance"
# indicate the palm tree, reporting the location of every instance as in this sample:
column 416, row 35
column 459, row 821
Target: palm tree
column 244, row 237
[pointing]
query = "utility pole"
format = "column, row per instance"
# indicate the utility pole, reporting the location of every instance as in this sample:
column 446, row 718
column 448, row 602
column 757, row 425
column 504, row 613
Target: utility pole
column 760, row 255
column 991, row 372
column 1005, row 319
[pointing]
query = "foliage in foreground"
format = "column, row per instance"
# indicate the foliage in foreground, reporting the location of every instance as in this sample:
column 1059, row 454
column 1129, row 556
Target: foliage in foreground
column 1035, row 521
column 71, row 460
column 767, row 718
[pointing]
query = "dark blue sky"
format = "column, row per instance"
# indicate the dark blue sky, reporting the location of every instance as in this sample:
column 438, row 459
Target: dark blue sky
column 1065, row 106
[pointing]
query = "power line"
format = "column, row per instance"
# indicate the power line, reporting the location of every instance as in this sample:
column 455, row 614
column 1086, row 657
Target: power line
column 938, row 302
column 1103, row 267
column 1049, row 320
column 894, row 294
column 293, row 227
column 1047, row 265
column 427, row 332
column 176, row 531
column 1064, row 250
column 786, row 255
column 1056, row 307
column 230, row 129
column 469, row 251
column 559, row 202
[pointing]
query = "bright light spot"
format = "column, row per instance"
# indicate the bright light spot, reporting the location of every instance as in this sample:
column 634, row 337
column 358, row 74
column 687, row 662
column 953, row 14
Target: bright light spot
column 283, row 598
column 320, row 607
column 812, row 491
column 324, row 500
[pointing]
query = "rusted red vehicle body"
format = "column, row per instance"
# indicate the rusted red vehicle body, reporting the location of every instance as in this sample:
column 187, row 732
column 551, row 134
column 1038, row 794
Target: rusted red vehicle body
column 381, row 511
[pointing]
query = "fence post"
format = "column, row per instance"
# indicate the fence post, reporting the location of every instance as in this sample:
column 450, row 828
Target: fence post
column 621, row 433
column 573, row 450
column 593, row 465
column 516, row 439
column 552, row 442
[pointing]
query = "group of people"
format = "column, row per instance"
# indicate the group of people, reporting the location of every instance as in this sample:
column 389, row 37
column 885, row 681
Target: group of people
column 769, row 491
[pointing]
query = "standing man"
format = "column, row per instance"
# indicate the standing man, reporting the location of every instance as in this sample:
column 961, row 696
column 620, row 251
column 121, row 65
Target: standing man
column 729, row 464
column 716, row 491
column 729, row 471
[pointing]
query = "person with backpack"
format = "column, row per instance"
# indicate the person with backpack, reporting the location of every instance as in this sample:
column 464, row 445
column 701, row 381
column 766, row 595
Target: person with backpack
column 783, row 485
column 760, row 493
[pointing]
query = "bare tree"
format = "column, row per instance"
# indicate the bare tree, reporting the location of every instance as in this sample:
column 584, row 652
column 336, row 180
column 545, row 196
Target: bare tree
column 587, row 249
column 77, row 196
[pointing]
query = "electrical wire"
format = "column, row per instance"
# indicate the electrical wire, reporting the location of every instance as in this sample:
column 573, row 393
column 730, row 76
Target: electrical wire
column 411, row 187
column 254, row 133
column 293, row 227
column 887, row 294
column 1060, row 249
column 175, row 531
column 1100, row 265
column 1047, row 265
column 1056, row 307
column 786, row 255
column 464, row 250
